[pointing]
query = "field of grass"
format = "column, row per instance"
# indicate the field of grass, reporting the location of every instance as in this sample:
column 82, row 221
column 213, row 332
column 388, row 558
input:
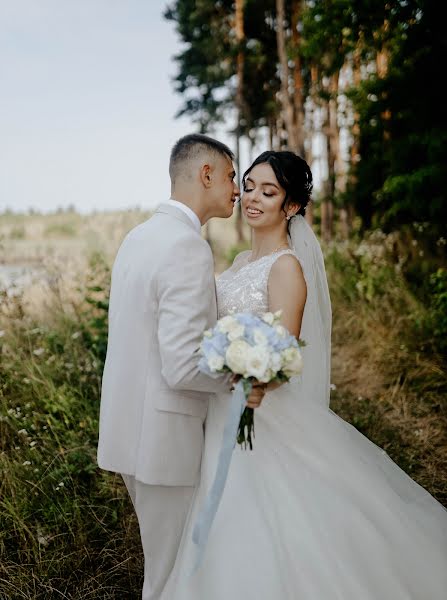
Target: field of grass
column 67, row 529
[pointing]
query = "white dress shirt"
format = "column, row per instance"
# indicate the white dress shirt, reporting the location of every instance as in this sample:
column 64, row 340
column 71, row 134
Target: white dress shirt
column 188, row 211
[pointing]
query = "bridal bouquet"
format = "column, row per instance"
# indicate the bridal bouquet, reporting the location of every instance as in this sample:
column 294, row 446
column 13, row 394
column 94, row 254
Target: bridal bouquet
column 254, row 348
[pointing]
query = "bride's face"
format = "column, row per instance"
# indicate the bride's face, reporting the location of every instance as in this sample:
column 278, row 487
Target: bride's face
column 263, row 198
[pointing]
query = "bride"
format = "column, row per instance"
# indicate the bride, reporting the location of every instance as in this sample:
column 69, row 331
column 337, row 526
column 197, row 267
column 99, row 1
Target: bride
column 316, row 511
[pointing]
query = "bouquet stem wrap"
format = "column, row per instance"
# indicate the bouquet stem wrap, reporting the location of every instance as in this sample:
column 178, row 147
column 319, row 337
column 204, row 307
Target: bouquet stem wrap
column 208, row 511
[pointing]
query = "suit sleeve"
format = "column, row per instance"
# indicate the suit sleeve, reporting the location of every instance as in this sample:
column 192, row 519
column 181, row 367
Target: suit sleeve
column 185, row 293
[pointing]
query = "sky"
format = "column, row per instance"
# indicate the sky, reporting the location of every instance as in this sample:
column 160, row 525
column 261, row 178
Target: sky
column 87, row 104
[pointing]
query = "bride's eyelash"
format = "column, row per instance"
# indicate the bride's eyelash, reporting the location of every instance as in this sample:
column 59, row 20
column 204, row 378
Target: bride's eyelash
column 246, row 189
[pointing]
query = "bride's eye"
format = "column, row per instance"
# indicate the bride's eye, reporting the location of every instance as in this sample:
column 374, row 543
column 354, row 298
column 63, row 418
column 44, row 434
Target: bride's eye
column 268, row 195
column 246, row 189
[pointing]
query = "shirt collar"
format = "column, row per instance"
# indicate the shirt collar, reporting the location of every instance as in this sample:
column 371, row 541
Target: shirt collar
column 188, row 211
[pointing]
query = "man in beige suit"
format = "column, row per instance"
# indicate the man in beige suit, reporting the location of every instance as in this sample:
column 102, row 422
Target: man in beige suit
column 154, row 399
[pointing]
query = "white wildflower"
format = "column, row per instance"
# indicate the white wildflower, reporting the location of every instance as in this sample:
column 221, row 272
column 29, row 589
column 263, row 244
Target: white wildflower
column 75, row 335
column 22, row 432
column 26, row 463
column 38, row 351
column 41, row 538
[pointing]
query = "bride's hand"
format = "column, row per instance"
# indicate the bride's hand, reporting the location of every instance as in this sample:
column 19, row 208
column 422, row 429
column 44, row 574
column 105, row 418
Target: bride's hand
column 274, row 385
column 257, row 393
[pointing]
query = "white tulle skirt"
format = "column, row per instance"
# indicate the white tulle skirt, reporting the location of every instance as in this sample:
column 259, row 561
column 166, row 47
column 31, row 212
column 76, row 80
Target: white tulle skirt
column 315, row 512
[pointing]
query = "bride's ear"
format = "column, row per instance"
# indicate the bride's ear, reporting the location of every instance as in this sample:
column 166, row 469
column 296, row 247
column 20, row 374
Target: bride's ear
column 292, row 209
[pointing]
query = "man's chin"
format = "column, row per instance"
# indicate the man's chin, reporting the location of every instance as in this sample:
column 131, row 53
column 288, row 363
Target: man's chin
column 226, row 214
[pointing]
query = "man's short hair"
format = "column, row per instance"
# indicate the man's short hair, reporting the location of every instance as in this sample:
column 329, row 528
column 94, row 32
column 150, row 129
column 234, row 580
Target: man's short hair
column 189, row 147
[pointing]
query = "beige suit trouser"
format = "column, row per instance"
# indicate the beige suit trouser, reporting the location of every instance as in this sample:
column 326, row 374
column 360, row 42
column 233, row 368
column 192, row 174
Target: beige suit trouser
column 161, row 513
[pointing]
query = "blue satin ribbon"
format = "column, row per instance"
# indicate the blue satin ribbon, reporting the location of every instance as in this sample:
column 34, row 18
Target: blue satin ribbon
column 208, row 511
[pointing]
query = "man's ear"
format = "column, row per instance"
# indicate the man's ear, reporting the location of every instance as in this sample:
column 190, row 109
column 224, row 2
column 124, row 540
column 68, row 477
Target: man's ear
column 206, row 175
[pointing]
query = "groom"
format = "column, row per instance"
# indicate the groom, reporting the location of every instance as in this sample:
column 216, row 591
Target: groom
column 154, row 399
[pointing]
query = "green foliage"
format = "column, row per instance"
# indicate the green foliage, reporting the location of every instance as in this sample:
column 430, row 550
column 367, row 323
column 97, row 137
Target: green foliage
column 208, row 64
column 71, row 525
column 234, row 251
column 17, row 233
column 95, row 315
column 61, row 229
column 398, row 175
column 403, row 130
column 436, row 320
column 62, row 519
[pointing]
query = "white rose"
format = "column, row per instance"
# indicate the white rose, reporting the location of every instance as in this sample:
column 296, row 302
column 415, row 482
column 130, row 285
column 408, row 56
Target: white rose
column 275, row 362
column 215, row 362
column 268, row 318
column 208, row 333
column 281, row 331
column 259, row 337
column 257, row 362
column 236, row 332
column 225, row 324
column 236, row 356
column 292, row 361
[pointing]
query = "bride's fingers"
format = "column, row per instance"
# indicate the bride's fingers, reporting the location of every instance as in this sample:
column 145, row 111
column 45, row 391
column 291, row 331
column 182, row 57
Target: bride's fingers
column 255, row 397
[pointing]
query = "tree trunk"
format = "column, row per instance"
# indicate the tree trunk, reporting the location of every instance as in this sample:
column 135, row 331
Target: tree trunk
column 239, row 225
column 239, row 26
column 354, row 151
column 310, row 129
column 284, row 94
column 298, row 87
column 327, row 205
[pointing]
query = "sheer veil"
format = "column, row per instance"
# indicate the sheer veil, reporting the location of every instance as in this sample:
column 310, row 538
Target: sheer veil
column 314, row 383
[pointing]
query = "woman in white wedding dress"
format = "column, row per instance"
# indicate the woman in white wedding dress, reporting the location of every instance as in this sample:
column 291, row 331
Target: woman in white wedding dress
column 316, row 511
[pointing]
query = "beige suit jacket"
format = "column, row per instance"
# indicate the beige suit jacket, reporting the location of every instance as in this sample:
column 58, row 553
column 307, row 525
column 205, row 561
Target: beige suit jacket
column 154, row 400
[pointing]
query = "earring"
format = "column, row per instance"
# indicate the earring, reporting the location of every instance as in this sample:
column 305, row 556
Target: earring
column 288, row 218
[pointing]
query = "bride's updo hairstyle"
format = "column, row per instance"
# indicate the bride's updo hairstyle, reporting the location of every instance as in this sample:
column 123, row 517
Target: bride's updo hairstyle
column 293, row 175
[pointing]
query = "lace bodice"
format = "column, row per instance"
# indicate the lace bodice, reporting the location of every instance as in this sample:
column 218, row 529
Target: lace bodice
column 243, row 287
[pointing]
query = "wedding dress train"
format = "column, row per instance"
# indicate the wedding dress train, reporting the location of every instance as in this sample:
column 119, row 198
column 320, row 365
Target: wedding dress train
column 316, row 511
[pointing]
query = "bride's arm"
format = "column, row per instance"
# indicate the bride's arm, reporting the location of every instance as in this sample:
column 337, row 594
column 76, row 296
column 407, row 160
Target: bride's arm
column 287, row 292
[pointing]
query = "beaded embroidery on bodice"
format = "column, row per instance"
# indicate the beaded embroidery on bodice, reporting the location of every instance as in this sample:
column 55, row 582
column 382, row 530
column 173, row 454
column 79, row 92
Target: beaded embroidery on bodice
column 243, row 287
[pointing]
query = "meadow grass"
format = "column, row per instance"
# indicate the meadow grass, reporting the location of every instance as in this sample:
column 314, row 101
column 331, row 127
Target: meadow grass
column 68, row 530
